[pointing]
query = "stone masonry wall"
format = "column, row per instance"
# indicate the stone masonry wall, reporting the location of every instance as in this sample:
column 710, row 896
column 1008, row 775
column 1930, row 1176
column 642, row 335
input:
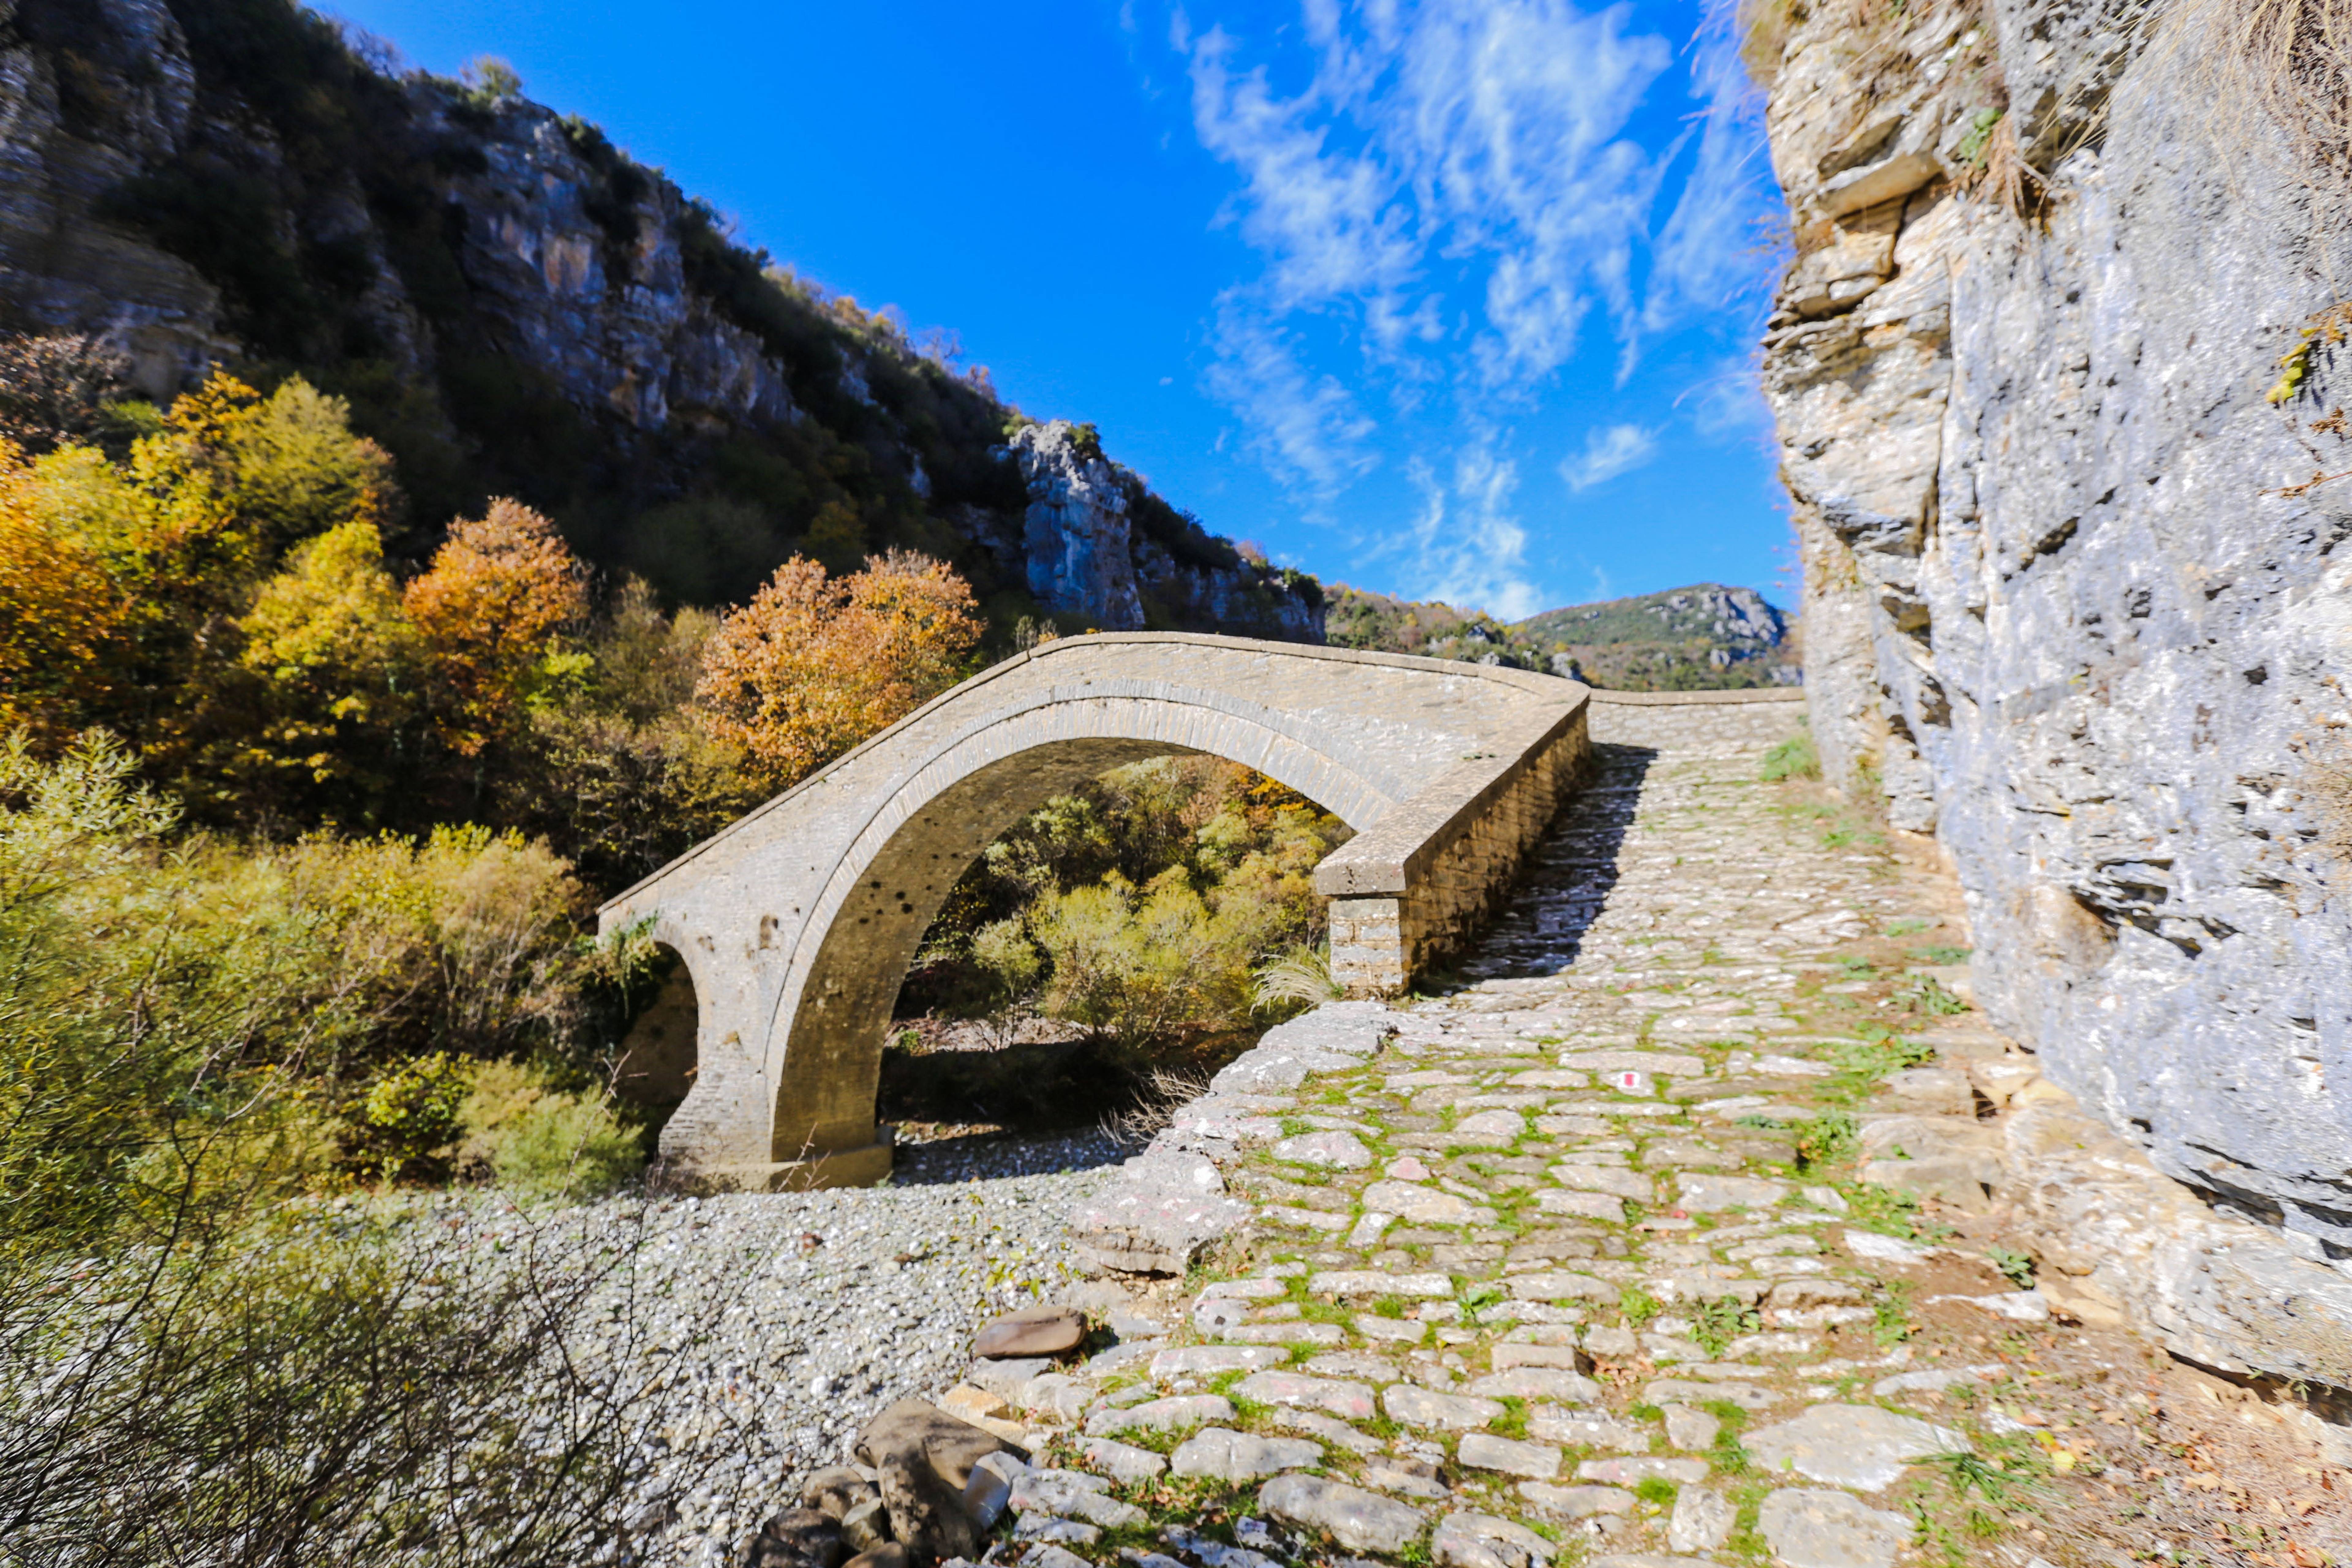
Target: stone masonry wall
column 1458, row 878
column 2070, row 601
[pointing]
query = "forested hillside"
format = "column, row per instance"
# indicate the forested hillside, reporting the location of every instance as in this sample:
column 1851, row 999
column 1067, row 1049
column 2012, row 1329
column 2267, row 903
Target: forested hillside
column 512, row 306
column 1699, row 638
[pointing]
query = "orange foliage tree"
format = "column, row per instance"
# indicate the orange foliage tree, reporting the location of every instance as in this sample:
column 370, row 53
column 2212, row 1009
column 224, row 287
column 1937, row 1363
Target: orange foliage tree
column 815, row 663
column 487, row 609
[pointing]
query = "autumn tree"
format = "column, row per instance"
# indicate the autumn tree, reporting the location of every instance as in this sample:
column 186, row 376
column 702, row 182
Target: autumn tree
column 59, row 611
column 488, row 609
column 815, row 663
column 336, row 664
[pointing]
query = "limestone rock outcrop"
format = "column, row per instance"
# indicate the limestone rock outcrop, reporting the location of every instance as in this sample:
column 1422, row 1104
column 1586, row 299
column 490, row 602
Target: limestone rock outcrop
column 1089, row 552
column 2074, row 602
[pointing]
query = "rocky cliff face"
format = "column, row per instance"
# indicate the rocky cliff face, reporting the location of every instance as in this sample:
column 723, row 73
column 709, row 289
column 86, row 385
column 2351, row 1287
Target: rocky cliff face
column 2070, row 603
column 1090, row 557
column 513, row 306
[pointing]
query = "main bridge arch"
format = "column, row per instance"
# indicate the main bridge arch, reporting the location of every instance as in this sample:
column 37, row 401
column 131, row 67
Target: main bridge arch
column 797, row 924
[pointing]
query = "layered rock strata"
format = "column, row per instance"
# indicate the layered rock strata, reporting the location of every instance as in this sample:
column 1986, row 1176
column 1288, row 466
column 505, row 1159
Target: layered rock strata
column 2071, row 601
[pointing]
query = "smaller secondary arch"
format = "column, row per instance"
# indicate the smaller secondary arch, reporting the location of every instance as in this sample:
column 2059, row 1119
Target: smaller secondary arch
column 808, row 912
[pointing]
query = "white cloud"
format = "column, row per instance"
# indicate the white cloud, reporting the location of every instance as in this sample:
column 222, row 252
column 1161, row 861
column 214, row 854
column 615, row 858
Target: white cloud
column 1608, row 452
column 1306, row 427
column 1714, row 248
column 1728, row 401
column 1448, row 200
column 1469, row 547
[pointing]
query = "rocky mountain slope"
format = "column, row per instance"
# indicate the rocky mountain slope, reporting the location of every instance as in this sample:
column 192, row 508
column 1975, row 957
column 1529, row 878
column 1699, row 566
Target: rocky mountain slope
column 513, row 306
column 1699, row 638
column 2057, row 375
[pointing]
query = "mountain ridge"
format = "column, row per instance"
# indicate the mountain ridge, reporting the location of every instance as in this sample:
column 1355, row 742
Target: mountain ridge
column 1702, row 636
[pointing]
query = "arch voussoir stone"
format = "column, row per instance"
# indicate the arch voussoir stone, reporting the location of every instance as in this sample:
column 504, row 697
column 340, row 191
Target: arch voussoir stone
column 798, row 922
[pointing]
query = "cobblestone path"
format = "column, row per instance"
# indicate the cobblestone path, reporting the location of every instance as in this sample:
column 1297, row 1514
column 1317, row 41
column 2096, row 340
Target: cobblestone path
column 1578, row 1264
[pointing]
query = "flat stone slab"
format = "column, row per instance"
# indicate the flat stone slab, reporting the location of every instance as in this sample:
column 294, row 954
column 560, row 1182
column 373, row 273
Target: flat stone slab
column 1880, row 1248
column 1810, row 1529
column 1484, row 1541
column 1326, row 1150
column 1483, row 1451
column 1858, row 1445
column 1701, row 1521
column 1426, row 1407
column 1031, row 1331
column 1122, row 1462
column 2017, row 1306
column 1556, row 1285
column 1157, row 1216
column 1712, row 1194
column 1575, row 1502
column 1613, row 1179
column 1170, row 1415
column 1334, row 1396
column 1207, row 1361
column 1357, row 1520
column 1632, row 1472
column 1589, row 1429
column 1668, row 1063
column 1226, row 1456
column 1424, row 1205
column 1492, row 1129
column 1583, row 1206
column 1072, row 1494
column 1372, row 1282
column 1537, row 1383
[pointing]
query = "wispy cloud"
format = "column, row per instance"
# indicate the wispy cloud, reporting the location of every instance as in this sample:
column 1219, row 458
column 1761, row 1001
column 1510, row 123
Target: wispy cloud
column 1608, row 452
column 1303, row 425
column 1449, row 201
column 1713, row 249
column 1469, row 547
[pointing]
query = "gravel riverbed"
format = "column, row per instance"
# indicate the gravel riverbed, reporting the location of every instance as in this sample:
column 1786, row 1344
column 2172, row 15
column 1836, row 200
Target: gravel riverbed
column 773, row 1326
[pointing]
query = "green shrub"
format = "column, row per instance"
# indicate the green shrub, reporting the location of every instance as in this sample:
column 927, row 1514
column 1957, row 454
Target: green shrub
column 1794, row 758
column 272, row 1377
column 409, row 1117
column 1715, row 1324
column 533, row 1137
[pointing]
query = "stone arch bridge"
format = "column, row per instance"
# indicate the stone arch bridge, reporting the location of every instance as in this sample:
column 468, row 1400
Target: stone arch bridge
column 796, row 924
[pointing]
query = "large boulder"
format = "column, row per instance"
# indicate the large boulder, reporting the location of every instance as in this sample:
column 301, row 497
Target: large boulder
column 923, row 1459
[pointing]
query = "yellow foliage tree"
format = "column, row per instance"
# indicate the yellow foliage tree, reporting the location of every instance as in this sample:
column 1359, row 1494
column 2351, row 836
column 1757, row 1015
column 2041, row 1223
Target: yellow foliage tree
column 337, row 660
column 59, row 610
column 232, row 477
column 815, row 663
column 488, row 609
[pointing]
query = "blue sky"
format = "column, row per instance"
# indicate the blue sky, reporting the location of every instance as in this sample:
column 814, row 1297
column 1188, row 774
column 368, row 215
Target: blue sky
column 1447, row 300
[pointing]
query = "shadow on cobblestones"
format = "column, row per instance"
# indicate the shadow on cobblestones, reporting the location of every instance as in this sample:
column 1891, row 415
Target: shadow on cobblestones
column 1569, row 877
